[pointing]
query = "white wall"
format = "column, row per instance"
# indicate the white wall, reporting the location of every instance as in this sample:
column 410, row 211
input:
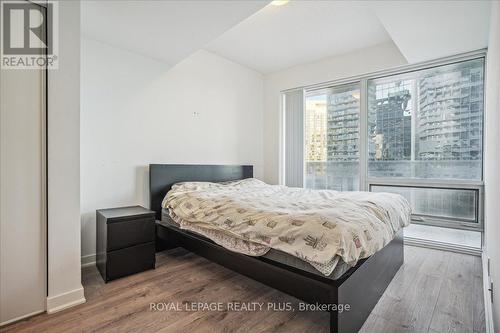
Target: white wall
column 492, row 157
column 375, row 58
column 64, row 276
column 137, row 111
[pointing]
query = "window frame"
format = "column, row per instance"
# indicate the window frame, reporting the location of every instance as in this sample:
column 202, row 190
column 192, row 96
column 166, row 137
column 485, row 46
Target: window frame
column 367, row 182
column 456, row 223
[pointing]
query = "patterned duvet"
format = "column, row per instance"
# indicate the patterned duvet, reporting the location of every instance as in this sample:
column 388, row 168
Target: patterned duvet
column 317, row 226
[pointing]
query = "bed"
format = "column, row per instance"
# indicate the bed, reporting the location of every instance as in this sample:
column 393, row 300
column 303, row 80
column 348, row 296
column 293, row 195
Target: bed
column 360, row 286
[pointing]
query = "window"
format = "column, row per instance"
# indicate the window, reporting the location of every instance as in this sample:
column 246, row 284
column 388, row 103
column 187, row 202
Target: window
column 332, row 138
column 416, row 131
column 427, row 124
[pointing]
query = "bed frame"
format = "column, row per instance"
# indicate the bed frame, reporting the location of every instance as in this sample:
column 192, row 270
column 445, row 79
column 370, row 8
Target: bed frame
column 361, row 287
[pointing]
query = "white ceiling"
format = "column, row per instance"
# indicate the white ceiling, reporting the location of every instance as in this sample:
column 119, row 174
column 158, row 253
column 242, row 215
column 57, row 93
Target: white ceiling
column 165, row 30
column 271, row 38
column 425, row 30
column 279, row 37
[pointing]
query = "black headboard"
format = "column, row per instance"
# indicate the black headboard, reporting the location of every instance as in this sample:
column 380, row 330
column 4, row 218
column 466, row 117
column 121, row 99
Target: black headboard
column 163, row 176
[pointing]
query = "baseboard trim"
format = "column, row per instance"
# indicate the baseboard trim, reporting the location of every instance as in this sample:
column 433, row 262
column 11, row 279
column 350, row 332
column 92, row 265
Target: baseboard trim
column 65, row 300
column 13, row 320
column 88, row 260
column 442, row 246
column 488, row 311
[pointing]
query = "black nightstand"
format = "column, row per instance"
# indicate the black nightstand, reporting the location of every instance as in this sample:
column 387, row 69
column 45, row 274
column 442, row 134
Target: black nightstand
column 125, row 241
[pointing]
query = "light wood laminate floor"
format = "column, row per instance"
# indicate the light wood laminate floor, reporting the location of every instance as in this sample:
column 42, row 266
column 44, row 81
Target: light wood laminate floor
column 435, row 291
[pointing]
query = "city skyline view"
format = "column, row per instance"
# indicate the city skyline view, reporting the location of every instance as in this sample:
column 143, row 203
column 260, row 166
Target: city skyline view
column 423, row 125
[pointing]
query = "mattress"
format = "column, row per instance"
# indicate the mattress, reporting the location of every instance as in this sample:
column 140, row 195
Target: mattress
column 277, row 255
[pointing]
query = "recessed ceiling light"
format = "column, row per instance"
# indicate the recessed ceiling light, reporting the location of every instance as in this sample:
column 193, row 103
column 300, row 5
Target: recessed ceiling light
column 279, row 2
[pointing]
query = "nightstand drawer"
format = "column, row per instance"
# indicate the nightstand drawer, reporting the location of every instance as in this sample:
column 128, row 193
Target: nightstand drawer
column 130, row 232
column 125, row 241
column 130, row 260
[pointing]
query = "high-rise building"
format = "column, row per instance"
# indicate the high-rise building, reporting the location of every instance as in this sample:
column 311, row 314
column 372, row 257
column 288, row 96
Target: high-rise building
column 392, row 127
column 315, row 129
column 449, row 117
column 343, row 125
